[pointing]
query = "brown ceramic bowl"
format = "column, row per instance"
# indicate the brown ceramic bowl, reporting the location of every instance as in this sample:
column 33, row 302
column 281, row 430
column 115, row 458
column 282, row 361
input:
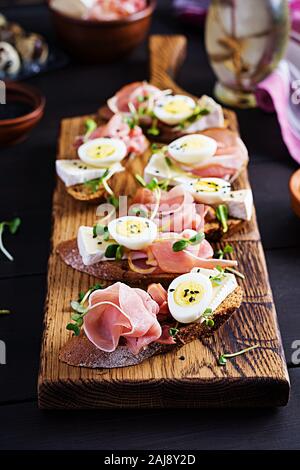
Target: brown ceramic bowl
column 94, row 41
column 25, row 108
column 295, row 192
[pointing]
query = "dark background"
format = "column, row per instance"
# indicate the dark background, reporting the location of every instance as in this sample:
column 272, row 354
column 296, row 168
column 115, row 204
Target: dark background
column 27, row 182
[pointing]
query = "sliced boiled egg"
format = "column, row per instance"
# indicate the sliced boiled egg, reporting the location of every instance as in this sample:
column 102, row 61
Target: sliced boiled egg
column 192, row 149
column 102, row 152
column 133, row 232
column 189, row 296
column 207, row 190
column 174, row 109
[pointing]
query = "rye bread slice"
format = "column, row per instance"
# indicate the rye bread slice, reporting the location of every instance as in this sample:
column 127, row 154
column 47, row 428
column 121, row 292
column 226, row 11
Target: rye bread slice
column 80, row 352
column 120, row 271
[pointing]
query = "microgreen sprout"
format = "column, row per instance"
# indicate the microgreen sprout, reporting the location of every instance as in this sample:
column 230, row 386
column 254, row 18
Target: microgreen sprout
column 222, row 216
column 101, row 230
column 223, row 357
column 181, row 245
column 13, row 226
column 153, row 130
column 228, row 249
column 80, row 310
column 90, row 125
column 207, row 316
column 114, row 251
column 217, row 279
column 173, row 331
column 4, row 312
column 94, row 185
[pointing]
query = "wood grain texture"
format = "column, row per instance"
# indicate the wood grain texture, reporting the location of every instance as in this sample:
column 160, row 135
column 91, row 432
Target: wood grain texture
column 191, row 376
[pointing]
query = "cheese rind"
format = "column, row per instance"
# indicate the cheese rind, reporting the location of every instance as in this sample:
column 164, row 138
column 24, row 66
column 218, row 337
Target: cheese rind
column 240, row 204
column 73, row 172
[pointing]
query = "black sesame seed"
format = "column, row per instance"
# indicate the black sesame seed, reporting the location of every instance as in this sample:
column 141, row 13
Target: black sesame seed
column 192, row 299
column 172, row 290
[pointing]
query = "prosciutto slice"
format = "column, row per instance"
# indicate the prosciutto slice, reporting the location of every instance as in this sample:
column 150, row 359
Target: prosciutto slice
column 120, row 311
column 138, row 94
column 177, row 210
column 160, row 295
column 117, row 127
column 231, row 156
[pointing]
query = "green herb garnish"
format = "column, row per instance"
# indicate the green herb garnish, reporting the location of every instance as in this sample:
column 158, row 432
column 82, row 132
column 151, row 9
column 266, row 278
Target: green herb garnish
column 185, row 242
column 94, row 185
column 13, row 226
column 119, row 253
column 5, row 312
column 131, row 121
column 218, row 278
column 101, row 230
column 114, row 201
column 207, row 315
column 228, row 249
column 90, row 125
column 153, row 130
column 152, row 185
column 173, row 331
column 78, row 306
column 198, row 112
column 223, row 358
column 114, row 251
column 222, row 216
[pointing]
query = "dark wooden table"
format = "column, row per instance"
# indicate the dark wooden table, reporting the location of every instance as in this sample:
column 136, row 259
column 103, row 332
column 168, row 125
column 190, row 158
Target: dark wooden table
column 27, row 181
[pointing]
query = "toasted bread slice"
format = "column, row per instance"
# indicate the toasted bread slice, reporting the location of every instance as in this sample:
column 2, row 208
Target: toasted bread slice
column 80, row 352
column 82, row 192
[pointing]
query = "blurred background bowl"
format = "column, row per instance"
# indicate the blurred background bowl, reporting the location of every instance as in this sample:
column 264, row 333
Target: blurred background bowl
column 94, row 41
column 23, row 110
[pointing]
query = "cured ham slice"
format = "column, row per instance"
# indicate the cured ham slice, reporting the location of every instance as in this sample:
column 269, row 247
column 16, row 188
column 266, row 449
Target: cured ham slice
column 137, row 94
column 179, row 262
column 176, row 212
column 121, row 311
column 117, row 127
column 160, row 295
column 231, row 156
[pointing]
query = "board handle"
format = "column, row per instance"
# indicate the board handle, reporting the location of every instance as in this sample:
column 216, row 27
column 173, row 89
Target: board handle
column 167, row 53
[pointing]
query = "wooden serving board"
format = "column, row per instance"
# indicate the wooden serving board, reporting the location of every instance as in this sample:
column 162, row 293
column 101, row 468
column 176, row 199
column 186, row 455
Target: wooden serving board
column 190, row 377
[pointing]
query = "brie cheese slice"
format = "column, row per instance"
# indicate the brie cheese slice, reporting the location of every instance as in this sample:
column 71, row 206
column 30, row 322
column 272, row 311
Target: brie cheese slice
column 73, row 172
column 240, row 204
column 227, row 285
column 91, row 249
